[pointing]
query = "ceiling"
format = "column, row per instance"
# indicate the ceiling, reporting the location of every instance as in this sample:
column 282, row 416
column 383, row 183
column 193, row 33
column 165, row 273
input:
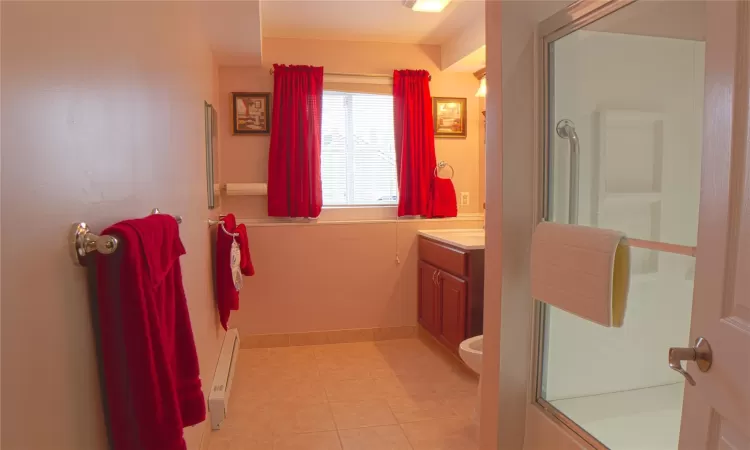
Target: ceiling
column 366, row 20
column 472, row 62
column 225, row 24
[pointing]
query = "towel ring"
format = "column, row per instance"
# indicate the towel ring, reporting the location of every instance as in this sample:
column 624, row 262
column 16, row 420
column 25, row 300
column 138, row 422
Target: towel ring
column 441, row 165
column 220, row 223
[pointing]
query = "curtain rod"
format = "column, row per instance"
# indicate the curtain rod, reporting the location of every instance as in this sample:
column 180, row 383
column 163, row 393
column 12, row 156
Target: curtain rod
column 341, row 74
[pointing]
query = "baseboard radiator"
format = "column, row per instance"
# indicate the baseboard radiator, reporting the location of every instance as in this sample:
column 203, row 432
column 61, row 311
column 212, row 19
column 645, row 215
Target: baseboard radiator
column 221, row 389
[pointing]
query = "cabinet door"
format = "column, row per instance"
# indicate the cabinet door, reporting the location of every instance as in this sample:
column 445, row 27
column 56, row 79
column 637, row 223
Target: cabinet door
column 429, row 312
column 453, row 305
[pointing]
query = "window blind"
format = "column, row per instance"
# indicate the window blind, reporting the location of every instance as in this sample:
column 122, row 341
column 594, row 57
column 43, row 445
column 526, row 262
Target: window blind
column 358, row 156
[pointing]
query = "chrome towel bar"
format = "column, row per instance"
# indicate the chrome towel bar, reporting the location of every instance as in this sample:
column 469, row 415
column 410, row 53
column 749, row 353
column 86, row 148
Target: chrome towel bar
column 82, row 241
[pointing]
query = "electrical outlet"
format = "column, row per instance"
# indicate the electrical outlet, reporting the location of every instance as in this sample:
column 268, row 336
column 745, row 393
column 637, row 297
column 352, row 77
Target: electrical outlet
column 464, row 198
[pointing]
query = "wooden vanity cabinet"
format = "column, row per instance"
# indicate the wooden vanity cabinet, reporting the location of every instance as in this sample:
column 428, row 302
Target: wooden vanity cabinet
column 450, row 292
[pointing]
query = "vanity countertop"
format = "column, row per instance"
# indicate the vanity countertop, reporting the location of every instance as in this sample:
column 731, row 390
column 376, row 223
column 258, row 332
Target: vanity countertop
column 466, row 239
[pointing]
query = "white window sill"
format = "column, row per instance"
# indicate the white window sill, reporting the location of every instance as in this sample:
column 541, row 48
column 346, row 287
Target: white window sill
column 343, row 215
column 357, row 213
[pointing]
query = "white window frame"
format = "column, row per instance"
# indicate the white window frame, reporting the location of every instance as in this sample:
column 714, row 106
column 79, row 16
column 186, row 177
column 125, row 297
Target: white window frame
column 355, row 212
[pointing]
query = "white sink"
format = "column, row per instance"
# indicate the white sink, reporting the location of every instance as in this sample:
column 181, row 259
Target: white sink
column 467, row 239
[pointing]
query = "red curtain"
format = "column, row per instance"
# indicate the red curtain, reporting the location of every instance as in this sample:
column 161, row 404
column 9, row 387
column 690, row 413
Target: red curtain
column 294, row 185
column 415, row 141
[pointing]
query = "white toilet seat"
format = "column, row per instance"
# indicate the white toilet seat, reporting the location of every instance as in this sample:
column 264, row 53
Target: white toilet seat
column 470, row 351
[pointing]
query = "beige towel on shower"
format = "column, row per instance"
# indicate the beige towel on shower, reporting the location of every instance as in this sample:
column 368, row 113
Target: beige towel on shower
column 584, row 271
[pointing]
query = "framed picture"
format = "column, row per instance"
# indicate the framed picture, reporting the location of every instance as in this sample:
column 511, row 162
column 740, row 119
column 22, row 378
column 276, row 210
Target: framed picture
column 449, row 117
column 250, row 113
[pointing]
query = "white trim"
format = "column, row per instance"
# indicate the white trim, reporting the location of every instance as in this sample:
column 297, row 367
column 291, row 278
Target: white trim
column 283, row 222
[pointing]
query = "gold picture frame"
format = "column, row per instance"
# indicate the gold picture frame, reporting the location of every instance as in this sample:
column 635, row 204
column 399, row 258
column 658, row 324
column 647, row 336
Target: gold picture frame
column 449, row 117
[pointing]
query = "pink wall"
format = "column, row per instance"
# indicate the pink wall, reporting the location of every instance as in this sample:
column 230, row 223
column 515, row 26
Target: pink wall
column 343, row 276
column 107, row 123
column 333, row 276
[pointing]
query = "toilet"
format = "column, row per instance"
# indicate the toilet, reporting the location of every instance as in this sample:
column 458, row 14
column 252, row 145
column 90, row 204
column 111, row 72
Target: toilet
column 470, row 352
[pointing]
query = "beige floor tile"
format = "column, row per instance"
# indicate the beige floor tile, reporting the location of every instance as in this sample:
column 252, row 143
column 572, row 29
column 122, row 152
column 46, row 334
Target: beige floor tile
column 249, row 356
column 300, row 418
column 405, row 387
column 352, row 390
column 421, row 407
column 309, row 441
column 442, row 434
column 375, row 438
column 464, row 406
column 297, row 397
column 293, row 354
column 273, row 373
column 219, row 443
column 398, row 347
column 350, row 368
column 356, row 349
column 251, row 443
column 359, row 414
column 239, row 433
column 278, row 419
column 243, row 422
column 250, row 395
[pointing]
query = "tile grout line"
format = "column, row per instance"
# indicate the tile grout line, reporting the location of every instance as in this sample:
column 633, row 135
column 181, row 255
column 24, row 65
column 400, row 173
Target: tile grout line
column 335, row 425
column 411, row 444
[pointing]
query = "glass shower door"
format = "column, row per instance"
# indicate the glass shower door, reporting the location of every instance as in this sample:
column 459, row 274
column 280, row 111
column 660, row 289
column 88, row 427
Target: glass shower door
column 625, row 112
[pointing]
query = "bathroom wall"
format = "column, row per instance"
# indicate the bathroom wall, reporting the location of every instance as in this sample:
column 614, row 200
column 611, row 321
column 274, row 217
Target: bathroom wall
column 321, row 277
column 245, row 158
column 102, row 120
column 333, row 276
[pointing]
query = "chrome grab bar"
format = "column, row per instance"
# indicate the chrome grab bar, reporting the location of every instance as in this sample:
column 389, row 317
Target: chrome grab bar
column 566, row 129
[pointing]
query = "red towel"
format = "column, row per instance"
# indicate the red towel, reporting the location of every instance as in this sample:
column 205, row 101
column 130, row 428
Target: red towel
column 149, row 361
column 443, row 201
column 227, row 296
column 246, row 264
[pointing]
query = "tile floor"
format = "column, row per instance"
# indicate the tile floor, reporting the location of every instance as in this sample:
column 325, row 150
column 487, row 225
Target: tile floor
column 384, row 395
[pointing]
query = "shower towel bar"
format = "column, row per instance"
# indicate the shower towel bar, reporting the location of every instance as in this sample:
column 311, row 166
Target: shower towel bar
column 83, row 241
column 686, row 250
column 678, row 249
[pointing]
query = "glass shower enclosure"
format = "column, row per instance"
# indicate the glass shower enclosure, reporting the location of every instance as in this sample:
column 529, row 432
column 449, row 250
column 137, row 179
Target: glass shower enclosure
column 623, row 152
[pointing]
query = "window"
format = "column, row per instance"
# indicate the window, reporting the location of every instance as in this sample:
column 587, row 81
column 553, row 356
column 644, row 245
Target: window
column 358, row 156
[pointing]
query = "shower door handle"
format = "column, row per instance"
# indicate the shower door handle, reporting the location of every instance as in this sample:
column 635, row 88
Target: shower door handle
column 566, row 129
column 701, row 354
